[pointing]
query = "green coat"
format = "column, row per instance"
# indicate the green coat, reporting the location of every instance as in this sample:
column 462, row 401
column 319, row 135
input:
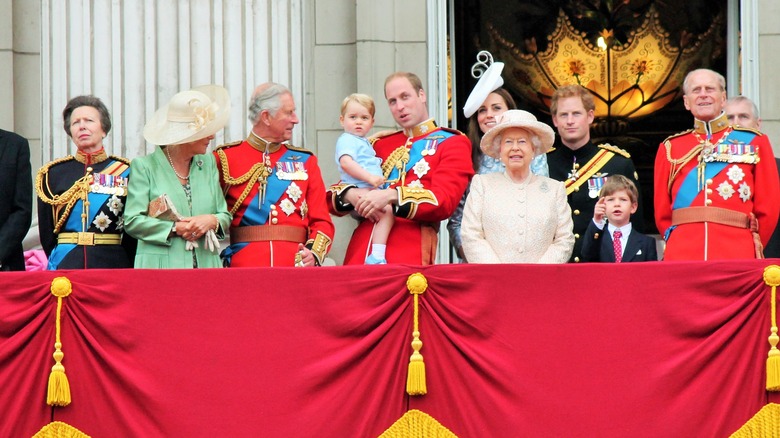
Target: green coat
column 152, row 176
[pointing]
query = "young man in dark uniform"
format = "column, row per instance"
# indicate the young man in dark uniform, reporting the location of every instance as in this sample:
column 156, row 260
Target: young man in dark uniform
column 581, row 165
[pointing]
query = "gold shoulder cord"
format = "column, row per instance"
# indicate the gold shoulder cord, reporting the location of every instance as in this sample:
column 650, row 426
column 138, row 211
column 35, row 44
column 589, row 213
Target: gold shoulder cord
column 396, row 160
column 67, row 199
column 678, row 164
column 257, row 173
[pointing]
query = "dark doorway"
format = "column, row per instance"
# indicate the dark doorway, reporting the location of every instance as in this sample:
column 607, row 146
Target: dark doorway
column 527, row 25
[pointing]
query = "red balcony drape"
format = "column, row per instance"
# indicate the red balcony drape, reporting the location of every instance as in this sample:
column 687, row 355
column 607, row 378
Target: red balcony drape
column 643, row 350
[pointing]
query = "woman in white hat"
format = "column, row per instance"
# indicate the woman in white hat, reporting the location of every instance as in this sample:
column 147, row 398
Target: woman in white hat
column 484, row 105
column 516, row 216
column 182, row 228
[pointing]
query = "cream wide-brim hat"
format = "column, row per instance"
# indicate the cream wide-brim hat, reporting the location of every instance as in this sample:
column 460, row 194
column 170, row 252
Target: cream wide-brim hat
column 190, row 115
column 517, row 119
column 490, row 81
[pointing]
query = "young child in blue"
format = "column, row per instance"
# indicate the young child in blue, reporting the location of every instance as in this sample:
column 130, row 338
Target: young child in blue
column 359, row 165
column 617, row 241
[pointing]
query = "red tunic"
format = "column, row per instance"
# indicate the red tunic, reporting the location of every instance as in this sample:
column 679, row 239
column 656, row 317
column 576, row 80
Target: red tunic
column 294, row 196
column 434, row 180
column 726, row 179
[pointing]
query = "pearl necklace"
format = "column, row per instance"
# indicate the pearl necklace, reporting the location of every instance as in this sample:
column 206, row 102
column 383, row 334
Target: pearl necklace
column 168, row 155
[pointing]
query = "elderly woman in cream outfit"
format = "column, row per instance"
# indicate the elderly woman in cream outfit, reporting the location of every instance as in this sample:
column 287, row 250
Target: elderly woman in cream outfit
column 181, row 169
column 516, row 216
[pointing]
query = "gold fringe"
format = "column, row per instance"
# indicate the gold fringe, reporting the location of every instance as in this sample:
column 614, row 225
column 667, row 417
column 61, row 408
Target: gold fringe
column 772, row 278
column 415, row 380
column 58, row 429
column 417, row 424
column 58, row 393
column 765, row 424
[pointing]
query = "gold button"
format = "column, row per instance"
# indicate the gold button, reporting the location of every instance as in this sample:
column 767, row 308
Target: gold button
column 274, row 212
column 576, row 212
column 576, row 236
column 709, row 191
column 576, row 189
column 708, row 202
column 274, row 221
column 273, row 207
column 577, row 259
column 596, row 235
column 709, row 181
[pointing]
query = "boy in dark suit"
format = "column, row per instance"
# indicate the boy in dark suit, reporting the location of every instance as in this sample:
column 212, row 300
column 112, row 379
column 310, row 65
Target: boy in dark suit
column 621, row 244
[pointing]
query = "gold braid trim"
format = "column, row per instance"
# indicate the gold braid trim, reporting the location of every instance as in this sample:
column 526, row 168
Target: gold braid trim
column 765, row 423
column 251, row 177
column 58, row 429
column 678, row 164
column 79, row 190
column 417, row 424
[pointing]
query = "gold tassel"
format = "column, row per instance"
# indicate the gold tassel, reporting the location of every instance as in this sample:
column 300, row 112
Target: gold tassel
column 772, row 278
column 415, row 379
column 58, row 393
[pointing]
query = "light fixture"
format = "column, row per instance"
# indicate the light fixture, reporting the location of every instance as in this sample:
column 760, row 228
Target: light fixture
column 628, row 80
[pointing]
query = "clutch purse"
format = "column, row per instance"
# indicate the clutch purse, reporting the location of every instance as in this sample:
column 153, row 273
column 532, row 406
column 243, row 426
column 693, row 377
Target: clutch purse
column 162, row 207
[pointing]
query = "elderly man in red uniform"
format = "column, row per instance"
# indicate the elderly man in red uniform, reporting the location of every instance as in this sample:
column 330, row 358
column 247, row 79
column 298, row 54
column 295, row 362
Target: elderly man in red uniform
column 427, row 168
column 716, row 185
column 274, row 190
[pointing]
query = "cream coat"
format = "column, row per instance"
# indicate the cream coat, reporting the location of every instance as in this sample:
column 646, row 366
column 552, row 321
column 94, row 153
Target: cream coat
column 507, row 222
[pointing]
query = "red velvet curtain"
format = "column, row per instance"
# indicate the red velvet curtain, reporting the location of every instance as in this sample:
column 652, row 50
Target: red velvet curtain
column 654, row 349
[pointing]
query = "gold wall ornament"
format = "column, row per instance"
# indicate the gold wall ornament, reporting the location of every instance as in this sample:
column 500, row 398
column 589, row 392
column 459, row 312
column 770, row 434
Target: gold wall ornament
column 628, row 80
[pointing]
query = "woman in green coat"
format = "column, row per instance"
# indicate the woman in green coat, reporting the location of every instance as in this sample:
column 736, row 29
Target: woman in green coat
column 180, row 179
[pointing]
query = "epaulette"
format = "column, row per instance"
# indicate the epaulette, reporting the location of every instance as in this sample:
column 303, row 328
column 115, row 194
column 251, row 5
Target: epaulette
column 679, row 134
column 615, row 149
column 299, row 149
column 453, row 131
column 122, row 159
column 229, row 145
column 45, row 168
column 745, row 128
column 551, row 149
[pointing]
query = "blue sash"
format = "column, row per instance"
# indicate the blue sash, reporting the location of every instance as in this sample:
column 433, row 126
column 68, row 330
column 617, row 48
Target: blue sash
column 689, row 189
column 415, row 151
column 274, row 190
column 73, row 224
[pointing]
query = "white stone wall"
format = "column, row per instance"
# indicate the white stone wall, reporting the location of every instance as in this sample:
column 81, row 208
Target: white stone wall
column 356, row 45
column 136, row 54
column 769, row 69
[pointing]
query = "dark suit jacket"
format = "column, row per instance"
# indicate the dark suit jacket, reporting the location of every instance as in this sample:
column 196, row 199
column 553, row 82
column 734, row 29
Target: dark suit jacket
column 597, row 246
column 772, row 248
column 15, row 199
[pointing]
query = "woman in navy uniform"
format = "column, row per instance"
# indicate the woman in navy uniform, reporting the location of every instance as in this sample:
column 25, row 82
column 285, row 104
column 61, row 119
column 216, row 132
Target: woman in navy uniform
column 81, row 197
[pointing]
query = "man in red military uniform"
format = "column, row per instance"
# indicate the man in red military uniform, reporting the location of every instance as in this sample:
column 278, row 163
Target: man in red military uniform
column 716, row 185
column 427, row 168
column 274, row 190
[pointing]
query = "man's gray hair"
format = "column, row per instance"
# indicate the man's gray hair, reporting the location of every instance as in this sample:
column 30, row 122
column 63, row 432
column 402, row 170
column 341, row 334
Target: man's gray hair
column 718, row 76
column 269, row 99
column 738, row 99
